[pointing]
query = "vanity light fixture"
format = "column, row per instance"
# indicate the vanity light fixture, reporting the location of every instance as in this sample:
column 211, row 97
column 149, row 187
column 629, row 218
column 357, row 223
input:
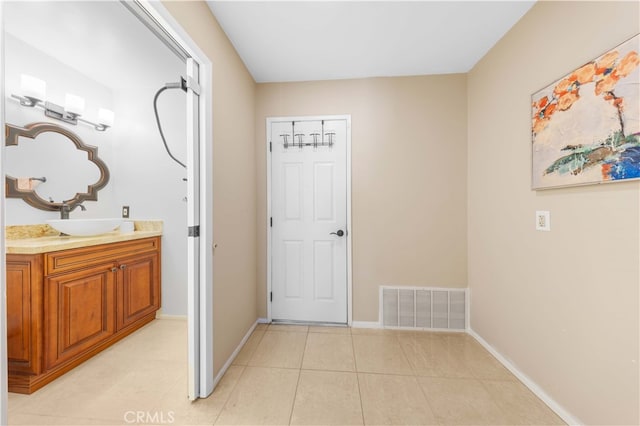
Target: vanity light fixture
column 34, row 93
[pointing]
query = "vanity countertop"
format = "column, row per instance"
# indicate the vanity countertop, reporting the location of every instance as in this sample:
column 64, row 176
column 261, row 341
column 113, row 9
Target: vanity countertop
column 46, row 244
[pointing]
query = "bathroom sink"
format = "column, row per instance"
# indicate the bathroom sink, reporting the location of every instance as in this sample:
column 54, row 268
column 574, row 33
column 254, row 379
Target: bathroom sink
column 84, row 227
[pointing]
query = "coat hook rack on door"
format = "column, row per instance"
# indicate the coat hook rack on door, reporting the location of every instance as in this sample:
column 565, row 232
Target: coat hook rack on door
column 300, row 143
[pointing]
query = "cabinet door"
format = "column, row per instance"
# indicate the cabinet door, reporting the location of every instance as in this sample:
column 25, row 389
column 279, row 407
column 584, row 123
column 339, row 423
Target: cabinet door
column 79, row 312
column 24, row 313
column 138, row 288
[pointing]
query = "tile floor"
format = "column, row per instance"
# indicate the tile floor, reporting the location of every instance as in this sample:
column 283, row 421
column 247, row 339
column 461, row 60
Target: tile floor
column 291, row 375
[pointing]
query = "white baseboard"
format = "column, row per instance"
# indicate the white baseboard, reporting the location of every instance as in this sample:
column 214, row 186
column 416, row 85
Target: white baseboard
column 262, row 321
column 171, row 317
column 233, row 356
column 365, row 324
column 533, row 387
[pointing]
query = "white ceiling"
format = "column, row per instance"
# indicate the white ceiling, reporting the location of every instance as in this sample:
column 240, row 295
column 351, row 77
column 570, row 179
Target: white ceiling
column 324, row 40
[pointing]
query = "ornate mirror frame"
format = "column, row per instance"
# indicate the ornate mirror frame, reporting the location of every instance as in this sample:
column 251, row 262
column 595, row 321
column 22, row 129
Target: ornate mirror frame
column 31, row 131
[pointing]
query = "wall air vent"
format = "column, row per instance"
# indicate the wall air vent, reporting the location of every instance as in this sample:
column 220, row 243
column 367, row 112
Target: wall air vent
column 423, row 308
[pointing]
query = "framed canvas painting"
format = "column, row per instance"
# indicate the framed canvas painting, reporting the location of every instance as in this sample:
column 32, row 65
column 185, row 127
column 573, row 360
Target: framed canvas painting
column 586, row 126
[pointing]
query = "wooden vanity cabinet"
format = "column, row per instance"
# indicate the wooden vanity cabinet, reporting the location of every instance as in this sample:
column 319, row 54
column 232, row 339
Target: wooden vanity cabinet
column 64, row 307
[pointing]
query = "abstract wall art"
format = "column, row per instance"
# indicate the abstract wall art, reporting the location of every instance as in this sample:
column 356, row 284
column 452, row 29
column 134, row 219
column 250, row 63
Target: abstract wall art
column 586, row 126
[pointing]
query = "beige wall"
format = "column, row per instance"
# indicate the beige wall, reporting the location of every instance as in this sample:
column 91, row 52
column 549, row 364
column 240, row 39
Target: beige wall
column 234, row 220
column 408, row 178
column 561, row 305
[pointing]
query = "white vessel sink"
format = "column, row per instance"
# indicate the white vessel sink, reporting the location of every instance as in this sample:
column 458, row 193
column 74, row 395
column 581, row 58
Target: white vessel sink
column 84, row 227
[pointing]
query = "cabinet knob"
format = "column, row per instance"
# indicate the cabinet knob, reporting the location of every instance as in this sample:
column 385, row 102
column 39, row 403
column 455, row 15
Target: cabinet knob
column 123, row 267
column 114, row 269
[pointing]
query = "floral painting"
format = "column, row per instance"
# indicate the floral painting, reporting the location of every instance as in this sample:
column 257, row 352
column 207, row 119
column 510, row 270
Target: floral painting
column 586, row 126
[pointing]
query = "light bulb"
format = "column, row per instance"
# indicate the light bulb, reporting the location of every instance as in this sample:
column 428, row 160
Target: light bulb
column 105, row 117
column 73, row 104
column 33, row 88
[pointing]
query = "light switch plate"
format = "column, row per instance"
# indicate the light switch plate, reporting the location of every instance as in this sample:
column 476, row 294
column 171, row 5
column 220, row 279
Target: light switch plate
column 543, row 220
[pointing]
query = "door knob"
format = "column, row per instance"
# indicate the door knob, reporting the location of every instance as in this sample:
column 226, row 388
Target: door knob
column 339, row 233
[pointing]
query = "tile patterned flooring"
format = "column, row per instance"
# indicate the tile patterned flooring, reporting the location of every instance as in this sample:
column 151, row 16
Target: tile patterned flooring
column 294, row 375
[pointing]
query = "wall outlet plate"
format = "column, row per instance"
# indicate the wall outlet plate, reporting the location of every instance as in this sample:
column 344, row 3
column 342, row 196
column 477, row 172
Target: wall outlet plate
column 543, row 220
column 125, row 211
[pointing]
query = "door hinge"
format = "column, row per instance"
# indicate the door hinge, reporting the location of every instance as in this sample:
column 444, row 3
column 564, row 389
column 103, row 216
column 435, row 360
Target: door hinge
column 190, row 83
column 270, row 296
column 194, row 231
column 269, row 146
column 271, row 222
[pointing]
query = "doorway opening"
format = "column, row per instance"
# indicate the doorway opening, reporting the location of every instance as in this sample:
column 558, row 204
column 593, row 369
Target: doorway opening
column 194, row 183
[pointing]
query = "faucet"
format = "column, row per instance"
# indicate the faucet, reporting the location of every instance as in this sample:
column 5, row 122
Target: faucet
column 65, row 209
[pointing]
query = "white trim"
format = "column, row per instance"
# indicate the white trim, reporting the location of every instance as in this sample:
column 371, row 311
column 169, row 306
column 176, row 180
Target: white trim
column 171, row 317
column 365, row 324
column 526, row 380
column 349, row 230
column 347, row 118
column 175, row 30
column 235, row 353
column 4, row 397
column 467, row 314
column 263, row 321
column 268, row 218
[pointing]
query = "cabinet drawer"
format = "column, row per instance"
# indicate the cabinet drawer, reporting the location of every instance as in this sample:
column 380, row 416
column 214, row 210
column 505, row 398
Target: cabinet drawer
column 85, row 257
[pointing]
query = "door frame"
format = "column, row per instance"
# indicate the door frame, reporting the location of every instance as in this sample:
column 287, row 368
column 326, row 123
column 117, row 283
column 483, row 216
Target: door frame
column 4, row 392
column 349, row 235
column 200, row 301
column 203, row 295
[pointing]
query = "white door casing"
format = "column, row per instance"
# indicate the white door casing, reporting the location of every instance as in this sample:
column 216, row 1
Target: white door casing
column 3, row 289
column 308, row 209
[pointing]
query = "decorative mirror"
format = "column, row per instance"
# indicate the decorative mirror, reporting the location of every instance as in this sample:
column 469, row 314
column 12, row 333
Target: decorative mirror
column 36, row 173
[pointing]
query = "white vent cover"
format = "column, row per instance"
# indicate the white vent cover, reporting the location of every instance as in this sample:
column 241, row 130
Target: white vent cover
column 423, row 307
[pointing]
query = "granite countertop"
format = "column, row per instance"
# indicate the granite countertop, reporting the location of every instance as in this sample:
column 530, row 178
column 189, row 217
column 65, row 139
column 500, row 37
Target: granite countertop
column 39, row 239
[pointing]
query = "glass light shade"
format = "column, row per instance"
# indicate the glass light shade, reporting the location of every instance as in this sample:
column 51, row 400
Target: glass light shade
column 74, row 104
column 105, row 117
column 32, row 87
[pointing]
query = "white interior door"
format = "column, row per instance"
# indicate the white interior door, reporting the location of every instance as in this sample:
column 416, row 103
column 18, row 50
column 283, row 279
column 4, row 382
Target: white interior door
column 309, row 220
column 193, row 224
